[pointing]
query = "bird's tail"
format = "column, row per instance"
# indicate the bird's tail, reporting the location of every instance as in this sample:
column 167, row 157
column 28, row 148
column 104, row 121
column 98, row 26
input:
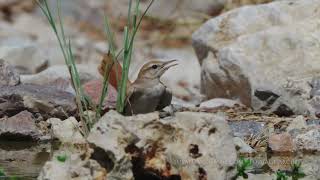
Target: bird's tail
column 111, row 68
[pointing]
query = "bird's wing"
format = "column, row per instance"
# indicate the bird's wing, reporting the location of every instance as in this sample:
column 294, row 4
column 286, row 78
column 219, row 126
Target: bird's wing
column 132, row 93
column 165, row 100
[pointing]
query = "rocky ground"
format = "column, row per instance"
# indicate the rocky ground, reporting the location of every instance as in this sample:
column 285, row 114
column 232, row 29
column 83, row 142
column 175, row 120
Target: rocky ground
column 247, row 84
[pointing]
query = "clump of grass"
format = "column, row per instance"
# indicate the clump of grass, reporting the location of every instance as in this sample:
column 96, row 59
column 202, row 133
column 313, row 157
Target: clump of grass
column 2, row 174
column 281, row 175
column 130, row 30
column 243, row 166
column 66, row 48
column 296, row 171
column 15, row 178
column 84, row 104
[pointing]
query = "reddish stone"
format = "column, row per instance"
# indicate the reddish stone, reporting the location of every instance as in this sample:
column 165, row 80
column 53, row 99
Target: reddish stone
column 281, row 143
column 94, row 89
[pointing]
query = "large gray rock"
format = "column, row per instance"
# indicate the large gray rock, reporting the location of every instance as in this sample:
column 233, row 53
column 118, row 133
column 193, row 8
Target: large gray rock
column 46, row 100
column 21, row 127
column 187, row 146
column 263, row 55
column 8, row 75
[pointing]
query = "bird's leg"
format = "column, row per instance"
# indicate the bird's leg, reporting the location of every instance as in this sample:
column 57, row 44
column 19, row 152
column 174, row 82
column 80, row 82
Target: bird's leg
column 128, row 101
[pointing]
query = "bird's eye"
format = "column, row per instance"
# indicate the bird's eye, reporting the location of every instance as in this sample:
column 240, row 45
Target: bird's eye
column 154, row 66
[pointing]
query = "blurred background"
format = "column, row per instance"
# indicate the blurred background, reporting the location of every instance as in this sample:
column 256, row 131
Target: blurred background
column 27, row 41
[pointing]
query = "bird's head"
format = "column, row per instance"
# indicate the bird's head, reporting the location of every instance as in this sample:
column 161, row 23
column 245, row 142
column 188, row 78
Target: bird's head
column 155, row 69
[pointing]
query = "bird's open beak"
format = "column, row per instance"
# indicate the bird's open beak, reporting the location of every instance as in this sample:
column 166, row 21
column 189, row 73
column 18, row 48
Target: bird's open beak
column 166, row 65
column 169, row 64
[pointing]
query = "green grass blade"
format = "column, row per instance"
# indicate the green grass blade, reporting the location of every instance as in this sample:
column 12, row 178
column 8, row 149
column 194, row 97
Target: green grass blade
column 124, row 77
column 129, row 14
column 110, row 36
column 66, row 49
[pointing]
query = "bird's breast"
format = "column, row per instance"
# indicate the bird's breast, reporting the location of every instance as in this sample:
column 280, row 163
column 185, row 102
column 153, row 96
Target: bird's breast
column 154, row 91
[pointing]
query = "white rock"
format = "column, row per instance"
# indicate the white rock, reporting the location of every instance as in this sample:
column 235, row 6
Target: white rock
column 219, row 102
column 263, row 55
column 188, row 142
column 242, row 146
column 67, row 131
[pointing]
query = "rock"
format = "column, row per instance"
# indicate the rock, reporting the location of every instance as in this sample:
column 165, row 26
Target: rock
column 308, row 141
column 313, row 122
column 175, row 8
column 21, row 127
column 14, row 6
column 94, row 89
column 218, row 102
column 23, row 54
column 46, row 100
column 170, row 10
column 8, row 75
column 59, row 76
column 244, row 129
column 297, row 123
column 74, row 167
column 315, row 87
column 280, row 143
column 280, row 162
column 257, row 176
column 310, row 166
column 187, row 146
column 23, row 159
column 255, row 54
column 242, row 147
column 67, row 131
column 232, row 4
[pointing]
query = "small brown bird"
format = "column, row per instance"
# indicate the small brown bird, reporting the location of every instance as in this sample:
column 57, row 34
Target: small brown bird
column 147, row 93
